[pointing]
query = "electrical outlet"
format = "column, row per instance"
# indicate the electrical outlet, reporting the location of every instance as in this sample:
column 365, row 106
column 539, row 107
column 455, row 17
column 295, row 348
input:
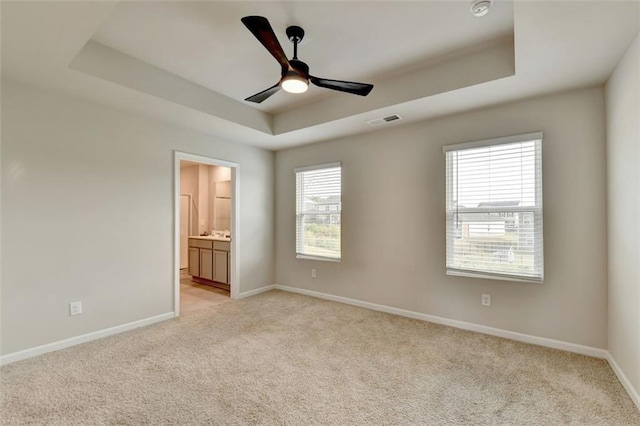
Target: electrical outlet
column 313, row 273
column 75, row 308
column 486, row 300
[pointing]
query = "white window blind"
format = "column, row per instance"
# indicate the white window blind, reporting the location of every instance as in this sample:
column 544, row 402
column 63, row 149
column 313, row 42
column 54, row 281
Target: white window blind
column 494, row 208
column 318, row 212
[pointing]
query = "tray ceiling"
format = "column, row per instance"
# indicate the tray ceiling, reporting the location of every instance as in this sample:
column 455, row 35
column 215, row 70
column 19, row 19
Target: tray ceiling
column 193, row 63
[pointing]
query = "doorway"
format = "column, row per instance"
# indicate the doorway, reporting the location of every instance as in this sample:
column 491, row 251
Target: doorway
column 205, row 231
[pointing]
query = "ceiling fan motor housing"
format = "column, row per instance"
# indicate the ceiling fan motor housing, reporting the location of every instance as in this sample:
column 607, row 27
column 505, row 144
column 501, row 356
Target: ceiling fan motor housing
column 299, row 68
column 295, row 34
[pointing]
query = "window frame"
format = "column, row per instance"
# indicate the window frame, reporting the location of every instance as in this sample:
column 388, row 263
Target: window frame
column 537, row 210
column 327, row 212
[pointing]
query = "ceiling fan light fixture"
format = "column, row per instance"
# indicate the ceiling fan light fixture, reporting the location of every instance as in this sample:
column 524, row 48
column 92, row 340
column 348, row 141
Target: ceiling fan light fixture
column 294, row 83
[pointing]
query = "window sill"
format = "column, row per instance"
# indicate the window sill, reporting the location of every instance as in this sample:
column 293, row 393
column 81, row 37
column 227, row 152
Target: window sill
column 493, row 277
column 322, row 259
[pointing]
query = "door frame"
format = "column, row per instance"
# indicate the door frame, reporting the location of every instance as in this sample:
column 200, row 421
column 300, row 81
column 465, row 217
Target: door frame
column 235, row 223
column 190, row 220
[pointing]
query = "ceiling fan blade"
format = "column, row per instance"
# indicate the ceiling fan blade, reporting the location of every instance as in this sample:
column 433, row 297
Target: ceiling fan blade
column 259, row 97
column 361, row 89
column 261, row 29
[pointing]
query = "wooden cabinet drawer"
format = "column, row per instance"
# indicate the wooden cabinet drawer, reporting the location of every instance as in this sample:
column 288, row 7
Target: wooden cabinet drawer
column 222, row 245
column 194, row 242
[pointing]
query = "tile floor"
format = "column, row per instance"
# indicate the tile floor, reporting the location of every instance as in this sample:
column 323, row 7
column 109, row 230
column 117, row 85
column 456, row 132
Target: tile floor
column 194, row 296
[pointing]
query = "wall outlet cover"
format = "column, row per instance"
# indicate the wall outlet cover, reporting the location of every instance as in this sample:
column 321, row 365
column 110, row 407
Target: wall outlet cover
column 75, row 308
column 486, row 300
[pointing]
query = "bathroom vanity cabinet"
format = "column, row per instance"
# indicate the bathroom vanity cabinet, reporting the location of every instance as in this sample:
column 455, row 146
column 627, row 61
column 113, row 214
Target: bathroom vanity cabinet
column 209, row 261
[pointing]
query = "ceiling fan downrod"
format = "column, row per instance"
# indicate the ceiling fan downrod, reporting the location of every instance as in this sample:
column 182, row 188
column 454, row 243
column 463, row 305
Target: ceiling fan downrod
column 295, row 35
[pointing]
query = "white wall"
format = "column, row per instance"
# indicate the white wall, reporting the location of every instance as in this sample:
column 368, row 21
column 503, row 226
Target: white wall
column 623, row 176
column 87, row 214
column 393, row 223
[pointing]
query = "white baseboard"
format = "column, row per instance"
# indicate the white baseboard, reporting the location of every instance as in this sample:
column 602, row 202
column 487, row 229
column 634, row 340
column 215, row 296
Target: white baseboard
column 256, row 291
column 633, row 393
column 72, row 341
column 520, row 337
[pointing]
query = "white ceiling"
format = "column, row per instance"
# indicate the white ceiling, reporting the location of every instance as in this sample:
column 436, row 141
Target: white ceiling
column 206, row 43
column 426, row 58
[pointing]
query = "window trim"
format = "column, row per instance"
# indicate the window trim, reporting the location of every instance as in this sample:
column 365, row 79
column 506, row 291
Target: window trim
column 320, row 258
column 317, row 167
column 537, row 210
column 495, row 141
column 299, row 216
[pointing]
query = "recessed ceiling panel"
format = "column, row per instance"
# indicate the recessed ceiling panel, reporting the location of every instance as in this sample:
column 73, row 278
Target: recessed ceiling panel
column 205, row 42
column 166, row 52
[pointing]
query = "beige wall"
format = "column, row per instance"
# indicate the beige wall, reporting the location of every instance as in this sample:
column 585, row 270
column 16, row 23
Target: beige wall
column 623, row 165
column 189, row 185
column 211, row 187
column 219, row 174
column 87, row 214
column 203, row 199
column 393, row 223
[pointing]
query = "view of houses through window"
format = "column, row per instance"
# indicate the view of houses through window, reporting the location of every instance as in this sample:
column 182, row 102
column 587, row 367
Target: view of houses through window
column 318, row 211
column 494, row 208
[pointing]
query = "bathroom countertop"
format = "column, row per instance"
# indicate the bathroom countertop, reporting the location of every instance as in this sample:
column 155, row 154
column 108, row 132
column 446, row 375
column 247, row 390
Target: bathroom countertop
column 209, row 237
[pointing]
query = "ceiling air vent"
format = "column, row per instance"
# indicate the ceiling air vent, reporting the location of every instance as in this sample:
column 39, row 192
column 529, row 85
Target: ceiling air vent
column 383, row 120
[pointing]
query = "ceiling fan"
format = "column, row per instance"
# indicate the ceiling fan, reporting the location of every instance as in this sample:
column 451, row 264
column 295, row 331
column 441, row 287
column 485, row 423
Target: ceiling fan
column 295, row 73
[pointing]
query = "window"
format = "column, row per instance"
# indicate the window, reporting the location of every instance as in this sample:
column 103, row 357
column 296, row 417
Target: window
column 494, row 208
column 318, row 212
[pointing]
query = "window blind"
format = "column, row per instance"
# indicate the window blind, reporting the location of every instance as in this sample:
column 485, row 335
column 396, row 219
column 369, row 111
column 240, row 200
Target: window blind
column 318, row 211
column 494, row 208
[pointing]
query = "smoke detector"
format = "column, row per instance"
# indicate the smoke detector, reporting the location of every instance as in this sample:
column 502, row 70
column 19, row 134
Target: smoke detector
column 481, row 7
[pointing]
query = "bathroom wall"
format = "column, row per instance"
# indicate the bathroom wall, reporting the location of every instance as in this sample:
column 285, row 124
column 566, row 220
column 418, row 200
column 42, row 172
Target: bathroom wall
column 189, row 183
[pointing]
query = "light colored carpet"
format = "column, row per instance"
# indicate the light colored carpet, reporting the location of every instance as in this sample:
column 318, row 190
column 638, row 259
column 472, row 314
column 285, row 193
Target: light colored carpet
column 280, row 358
